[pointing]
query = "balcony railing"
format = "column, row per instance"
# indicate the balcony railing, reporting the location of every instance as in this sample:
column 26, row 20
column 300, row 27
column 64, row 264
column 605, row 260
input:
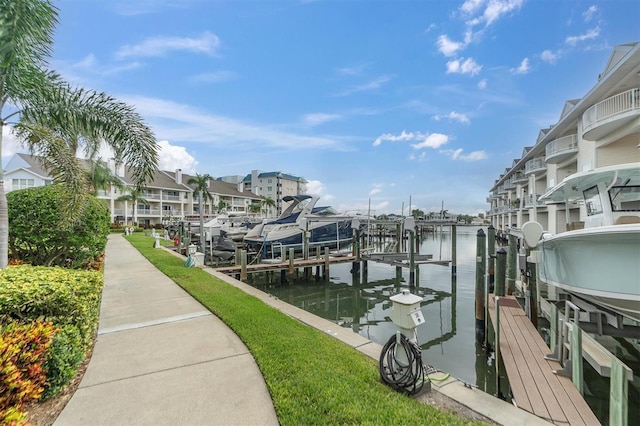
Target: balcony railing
column 619, row 105
column 561, row 148
column 170, row 197
column 535, row 165
column 532, row 199
column 519, row 177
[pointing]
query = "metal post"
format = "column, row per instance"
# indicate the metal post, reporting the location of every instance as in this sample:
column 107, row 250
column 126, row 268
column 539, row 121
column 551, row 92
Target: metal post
column 454, row 250
column 501, row 267
column 511, row 264
column 481, row 260
column 491, row 252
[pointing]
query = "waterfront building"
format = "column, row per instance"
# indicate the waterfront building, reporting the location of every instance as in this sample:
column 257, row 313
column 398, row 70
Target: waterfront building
column 600, row 129
column 275, row 185
column 167, row 195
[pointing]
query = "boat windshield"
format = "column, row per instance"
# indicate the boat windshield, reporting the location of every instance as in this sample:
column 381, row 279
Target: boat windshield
column 592, row 201
column 625, row 198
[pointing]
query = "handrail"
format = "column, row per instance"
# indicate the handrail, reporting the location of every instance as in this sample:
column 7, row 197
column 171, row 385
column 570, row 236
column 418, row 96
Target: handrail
column 617, row 104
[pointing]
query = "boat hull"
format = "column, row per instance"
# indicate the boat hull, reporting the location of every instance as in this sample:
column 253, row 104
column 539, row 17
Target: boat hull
column 333, row 235
column 599, row 264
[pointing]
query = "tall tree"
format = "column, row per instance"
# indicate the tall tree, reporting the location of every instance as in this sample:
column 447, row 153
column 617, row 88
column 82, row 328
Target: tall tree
column 135, row 195
column 267, row 203
column 201, row 190
column 55, row 120
column 99, row 177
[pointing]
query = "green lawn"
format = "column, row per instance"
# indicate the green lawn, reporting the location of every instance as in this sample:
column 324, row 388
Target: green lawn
column 312, row 377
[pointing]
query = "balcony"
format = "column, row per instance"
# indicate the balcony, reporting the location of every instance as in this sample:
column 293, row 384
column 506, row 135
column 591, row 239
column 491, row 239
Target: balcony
column 166, row 197
column 611, row 114
column 537, row 165
column 531, row 200
column 519, row 178
column 561, row 149
column 502, row 190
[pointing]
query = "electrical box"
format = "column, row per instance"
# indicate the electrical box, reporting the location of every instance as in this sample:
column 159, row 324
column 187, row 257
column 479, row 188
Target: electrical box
column 405, row 311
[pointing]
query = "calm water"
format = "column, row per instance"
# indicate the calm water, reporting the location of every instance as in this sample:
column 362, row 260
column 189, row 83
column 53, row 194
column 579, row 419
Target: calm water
column 361, row 303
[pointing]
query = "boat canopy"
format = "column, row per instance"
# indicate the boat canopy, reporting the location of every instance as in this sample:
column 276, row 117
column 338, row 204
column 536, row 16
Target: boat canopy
column 572, row 186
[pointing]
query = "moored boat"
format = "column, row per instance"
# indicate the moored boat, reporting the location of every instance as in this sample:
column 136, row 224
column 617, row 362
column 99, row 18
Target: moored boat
column 599, row 263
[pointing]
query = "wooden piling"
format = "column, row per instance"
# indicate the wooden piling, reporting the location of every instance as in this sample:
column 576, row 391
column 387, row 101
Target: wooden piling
column 497, row 345
column 325, row 273
column 512, row 261
column 412, row 259
column 501, row 270
column 533, row 291
column 291, row 260
column 243, row 265
column 491, row 252
column 480, row 281
column 454, row 250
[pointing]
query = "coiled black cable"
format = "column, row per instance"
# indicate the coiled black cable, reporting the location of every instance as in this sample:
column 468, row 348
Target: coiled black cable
column 403, row 376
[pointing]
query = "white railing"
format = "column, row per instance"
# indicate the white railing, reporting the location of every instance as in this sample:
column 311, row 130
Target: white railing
column 518, row 177
column 150, row 212
column 171, row 197
column 535, row 164
column 560, row 145
column 530, row 199
column 618, row 104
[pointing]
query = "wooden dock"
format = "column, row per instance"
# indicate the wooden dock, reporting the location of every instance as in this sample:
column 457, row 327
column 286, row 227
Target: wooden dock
column 298, row 263
column 534, row 386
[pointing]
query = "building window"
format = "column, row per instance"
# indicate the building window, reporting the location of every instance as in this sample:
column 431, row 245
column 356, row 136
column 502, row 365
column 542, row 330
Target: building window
column 269, row 189
column 22, row 183
column 269, row 181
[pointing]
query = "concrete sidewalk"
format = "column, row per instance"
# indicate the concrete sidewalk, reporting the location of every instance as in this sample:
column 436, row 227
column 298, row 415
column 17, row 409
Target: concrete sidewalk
column 161, row 358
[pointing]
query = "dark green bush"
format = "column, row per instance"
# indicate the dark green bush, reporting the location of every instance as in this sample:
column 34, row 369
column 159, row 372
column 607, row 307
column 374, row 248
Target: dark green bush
column 37, row 236
column 65, row 355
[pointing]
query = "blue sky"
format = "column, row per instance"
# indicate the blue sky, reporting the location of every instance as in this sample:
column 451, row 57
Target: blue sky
column 367, row 100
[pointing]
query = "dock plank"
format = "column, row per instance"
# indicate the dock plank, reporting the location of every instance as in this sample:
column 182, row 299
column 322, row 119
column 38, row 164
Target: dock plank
column 534, row 385
column 298, row 263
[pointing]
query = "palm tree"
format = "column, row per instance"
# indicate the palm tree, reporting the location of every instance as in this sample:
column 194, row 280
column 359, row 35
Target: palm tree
column 201, row 190
column 267, row 203
column 99, row 177
column 255, row 207
column 135, row 196
column 55, row 120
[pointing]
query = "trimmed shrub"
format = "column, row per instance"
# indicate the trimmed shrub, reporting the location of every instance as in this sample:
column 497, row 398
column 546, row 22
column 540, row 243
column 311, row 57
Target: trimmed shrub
column 65, row 355
column 62, row 296
column 36, row 235
column 23, row 350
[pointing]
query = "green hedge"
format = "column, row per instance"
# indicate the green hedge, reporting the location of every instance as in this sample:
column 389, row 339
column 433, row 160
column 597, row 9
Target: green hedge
column 37, row 234
column 62, row 296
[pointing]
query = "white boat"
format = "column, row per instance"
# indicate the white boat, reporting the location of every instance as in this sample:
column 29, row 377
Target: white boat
column 326, row 228
column 601, row 262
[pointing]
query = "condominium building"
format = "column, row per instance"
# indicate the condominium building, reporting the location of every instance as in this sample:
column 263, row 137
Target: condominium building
column 275, row 185
column 600, row 129
column 167, row 196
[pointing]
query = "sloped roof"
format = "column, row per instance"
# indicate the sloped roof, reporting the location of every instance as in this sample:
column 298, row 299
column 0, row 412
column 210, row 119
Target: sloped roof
column 221, row 188
column 619, row 52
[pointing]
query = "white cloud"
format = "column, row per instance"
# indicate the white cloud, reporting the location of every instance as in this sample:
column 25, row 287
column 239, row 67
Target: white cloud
column 589, row 13
column 352, row 71
column 462, row 66
column 471, row 6
column 589, row 35
column 434, row 140
column 482, row 84
column 179, row 122
column 448, row 47
column 319, row 118
column 420, row 157
column 456, row 154
column 374, row 191
column 454, row 116
column 315, row 187
column 497, row 8
column 10, row 144
column 388, row 137
column 172, row 157
column 523, row 68
column 208, row 43
column 214, row 77
column 549, row 56
column 371, row 85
